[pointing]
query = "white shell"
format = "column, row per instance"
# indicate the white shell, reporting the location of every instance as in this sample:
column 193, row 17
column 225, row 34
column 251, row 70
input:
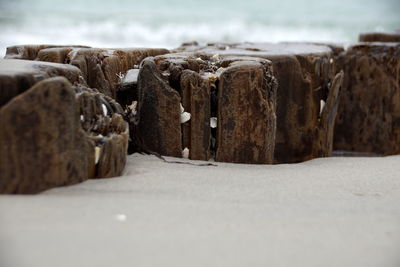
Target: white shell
column 185, row 153
column 82, row 118
column 131, row 76
column 215, row 57
column 213, row 122
column 97, row 152
column 133, row 108
column 120, row 217
column 105, row 111
column 322, row 105
column 185, row 116
column 120, row 76
column 182, row 109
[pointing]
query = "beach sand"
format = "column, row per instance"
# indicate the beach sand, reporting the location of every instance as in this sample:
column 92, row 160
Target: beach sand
column 337, row 211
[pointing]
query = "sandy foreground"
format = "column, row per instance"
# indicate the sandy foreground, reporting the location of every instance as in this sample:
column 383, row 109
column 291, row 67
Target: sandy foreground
column 324, row 212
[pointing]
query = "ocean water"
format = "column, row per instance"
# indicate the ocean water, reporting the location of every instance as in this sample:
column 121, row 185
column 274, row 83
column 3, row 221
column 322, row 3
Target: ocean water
column 168, row 23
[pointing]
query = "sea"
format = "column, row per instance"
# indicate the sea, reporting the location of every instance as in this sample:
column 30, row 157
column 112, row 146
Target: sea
column 168, row 23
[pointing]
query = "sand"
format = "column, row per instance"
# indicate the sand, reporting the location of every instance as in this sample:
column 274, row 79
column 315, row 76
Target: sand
column 325, row 212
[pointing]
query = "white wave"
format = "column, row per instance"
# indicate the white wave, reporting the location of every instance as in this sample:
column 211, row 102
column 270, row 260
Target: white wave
column 170, row 35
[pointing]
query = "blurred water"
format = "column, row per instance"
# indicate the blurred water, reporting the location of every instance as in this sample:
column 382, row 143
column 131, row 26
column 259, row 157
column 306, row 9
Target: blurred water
column 168, row 23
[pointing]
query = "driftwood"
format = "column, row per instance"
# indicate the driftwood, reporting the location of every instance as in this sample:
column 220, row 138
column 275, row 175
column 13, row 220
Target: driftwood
column 53, row 133
column 379, row 37
column 239, row 94
column 368, row 117
column 305, row 73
